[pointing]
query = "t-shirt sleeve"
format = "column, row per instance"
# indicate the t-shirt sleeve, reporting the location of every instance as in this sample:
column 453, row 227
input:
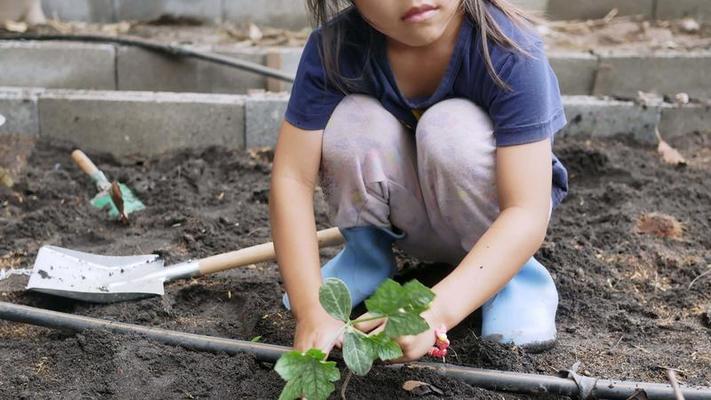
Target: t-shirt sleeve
column 312, row 101
column 531, row 109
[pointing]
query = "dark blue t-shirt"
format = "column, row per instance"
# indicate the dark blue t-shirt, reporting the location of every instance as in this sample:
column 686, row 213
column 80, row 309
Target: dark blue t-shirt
column 529, row 110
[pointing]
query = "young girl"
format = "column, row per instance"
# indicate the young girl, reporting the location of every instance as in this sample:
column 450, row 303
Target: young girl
column 431, row 122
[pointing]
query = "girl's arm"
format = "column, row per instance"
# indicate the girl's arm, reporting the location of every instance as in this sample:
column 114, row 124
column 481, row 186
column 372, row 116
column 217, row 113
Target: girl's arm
column 294, row 176
column 523, row 179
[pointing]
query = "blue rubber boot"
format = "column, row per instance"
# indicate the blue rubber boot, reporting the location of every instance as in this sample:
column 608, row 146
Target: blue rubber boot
column 364, row 263
column 523, row 312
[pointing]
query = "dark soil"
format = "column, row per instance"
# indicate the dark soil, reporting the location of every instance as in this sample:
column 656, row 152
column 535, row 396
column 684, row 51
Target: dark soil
column 628, row 307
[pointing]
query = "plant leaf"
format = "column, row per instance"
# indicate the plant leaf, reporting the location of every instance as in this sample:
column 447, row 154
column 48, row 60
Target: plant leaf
column 335, row 299
column 385, row 347
column 419, row 295
column 402, row 305
column 386, row 299
column 358, row 352
column 307, row 374
column 405, row 323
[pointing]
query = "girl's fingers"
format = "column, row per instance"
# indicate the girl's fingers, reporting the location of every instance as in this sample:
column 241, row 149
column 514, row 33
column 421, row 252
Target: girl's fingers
column 368, row 326
column 377, row 330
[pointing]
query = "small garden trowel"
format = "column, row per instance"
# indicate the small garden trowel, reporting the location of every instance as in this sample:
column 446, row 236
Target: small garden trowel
column 117, row 197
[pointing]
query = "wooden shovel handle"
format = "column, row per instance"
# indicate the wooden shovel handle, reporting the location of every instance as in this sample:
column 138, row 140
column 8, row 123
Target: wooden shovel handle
column 259, row 253
column 84, row 163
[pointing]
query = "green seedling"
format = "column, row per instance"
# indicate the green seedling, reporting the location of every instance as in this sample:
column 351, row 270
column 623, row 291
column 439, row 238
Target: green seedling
column 311, row 376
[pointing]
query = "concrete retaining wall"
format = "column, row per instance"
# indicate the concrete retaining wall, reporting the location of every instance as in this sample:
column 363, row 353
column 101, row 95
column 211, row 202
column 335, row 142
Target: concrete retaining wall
column 291, row 13
column 147, row 123
column 19, row 108
column 70, row 65
column 278, row 13
column 94, row 66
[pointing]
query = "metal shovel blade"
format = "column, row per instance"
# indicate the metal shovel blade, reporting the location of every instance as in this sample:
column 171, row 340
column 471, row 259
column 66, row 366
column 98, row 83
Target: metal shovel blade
column 96, row 278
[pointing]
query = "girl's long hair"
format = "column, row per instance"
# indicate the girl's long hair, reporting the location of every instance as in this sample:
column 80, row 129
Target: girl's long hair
column 333, row 35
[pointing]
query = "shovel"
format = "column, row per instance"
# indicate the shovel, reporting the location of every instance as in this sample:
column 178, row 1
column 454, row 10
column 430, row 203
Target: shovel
column 108, row 279
column 119, row 199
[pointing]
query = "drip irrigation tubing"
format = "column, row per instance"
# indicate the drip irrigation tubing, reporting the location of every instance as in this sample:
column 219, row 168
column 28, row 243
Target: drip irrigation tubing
column 168, row 49
column 570, row 384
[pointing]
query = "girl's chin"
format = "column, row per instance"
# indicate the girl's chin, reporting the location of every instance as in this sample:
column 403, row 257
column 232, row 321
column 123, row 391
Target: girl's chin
column 419, row 38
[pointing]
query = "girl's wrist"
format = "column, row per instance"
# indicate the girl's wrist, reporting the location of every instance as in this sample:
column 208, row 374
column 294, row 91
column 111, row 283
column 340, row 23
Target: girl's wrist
column 441, row 314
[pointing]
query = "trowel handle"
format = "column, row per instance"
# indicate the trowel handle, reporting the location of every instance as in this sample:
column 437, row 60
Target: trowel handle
column 88, row 166
column 259, row 253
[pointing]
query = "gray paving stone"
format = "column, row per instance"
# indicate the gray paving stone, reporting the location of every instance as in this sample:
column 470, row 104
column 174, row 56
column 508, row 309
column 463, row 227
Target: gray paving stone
column 125, row 123
column 263, row 117
column 139, row 69
column 623, row 74
column 681, row 120
column 18, row 106
column 575, row 72
column 606, row 117
column 68, row 65
column 80, row 10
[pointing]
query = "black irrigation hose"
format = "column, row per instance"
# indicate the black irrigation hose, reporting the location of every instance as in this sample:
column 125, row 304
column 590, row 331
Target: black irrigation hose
column 172, row 50
column 573, row 385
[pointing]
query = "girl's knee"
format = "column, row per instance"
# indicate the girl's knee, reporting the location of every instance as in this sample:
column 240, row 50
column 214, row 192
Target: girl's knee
column 360, row 125
column 456, row 131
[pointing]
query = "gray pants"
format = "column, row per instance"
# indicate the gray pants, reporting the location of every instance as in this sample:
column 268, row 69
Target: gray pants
column 436, row 185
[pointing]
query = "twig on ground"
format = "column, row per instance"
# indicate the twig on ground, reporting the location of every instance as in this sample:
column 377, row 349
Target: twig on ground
column 642, row 348
column 675, row 384
column 345, row 384
column 699, row 277
column 609, row 351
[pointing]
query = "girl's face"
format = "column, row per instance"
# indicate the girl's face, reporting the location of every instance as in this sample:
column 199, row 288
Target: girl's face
column 411, row 22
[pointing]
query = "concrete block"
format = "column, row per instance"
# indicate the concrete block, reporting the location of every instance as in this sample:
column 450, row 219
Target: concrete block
column 125, row 123
column 586, row 9
column 575, row 72
column 220, row 79
column 285, row 59
column 277, row 13
column 263, row 116
column 80, row 10
column 624, row 74
column 680, row 120
column 142, row 10
column 18, row 107
column 606, row 117
column 57, row 65
column 139, row 69
column 673, row 9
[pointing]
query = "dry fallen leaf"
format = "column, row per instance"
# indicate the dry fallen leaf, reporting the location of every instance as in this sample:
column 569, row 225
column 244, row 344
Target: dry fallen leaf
column 660, row 225
column 682, row 98
column 15, row 26
column 689, row 25
column 419, row 388
column 255, row 33
column 669, row 154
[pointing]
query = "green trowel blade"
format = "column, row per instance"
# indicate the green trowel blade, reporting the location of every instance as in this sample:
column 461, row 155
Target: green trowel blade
column 130, row 202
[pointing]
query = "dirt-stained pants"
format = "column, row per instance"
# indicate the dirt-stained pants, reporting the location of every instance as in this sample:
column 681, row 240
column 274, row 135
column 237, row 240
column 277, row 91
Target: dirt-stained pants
column 437, row 185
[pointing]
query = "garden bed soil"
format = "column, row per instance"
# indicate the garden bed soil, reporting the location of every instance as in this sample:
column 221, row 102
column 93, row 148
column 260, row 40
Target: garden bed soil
column 628, row 306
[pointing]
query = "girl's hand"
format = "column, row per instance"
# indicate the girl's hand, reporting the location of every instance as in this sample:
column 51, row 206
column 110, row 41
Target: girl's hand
column 318, row 330
column 413, row 347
